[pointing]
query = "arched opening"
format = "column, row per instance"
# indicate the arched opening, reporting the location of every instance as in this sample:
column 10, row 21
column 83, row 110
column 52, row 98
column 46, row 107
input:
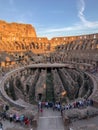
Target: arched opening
column 27, row 88
column 40, row 96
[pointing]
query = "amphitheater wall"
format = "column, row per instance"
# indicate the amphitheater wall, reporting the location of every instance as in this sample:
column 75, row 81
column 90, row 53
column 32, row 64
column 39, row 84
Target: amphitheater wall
column 2, row 91
column 23, row 71
column 94, row 95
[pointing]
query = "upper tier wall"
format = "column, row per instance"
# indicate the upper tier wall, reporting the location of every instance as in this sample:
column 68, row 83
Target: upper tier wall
column 26, row 32
column 15, row 30
column 22, row 37
column 67, row 39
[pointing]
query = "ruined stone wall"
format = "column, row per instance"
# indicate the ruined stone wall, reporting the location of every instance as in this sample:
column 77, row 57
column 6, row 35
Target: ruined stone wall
column 13, row 31
column 65, row 40
column 22, row 37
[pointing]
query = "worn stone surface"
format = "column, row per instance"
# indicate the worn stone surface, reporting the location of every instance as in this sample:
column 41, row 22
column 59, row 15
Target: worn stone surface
column 75, row 114
column 16, row 30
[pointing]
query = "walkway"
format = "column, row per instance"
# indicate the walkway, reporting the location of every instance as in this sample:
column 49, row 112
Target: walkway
column 50, row 120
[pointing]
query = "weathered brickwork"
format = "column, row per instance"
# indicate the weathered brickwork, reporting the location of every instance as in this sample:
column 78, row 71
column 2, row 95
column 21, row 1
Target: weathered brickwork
column 22, row 37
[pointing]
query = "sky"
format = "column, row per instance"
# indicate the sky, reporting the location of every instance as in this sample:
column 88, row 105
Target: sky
column 53, row 18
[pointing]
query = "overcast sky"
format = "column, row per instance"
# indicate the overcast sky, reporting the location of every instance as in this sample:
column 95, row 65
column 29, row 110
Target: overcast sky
column 53, row 18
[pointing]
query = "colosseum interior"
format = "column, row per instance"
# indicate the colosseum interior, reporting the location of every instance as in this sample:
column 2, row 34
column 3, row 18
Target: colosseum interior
column 33, row 69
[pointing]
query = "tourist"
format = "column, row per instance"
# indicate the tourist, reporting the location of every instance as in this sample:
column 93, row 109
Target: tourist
column 4, row 115
column 14, row 117
column 21, row 119
column 53, row 107
column 17, row 118
column 26, row 121
column 39, row 105
column 11, row 117
column 61, row 111
column 41, row 108
column 46, row 104
column 1, row 126
column 58, row 107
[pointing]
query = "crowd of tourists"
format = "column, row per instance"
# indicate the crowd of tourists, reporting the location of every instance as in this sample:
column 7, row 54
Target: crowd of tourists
column 54, row 106
column 78, row 104
column 15, row 117
column 58, row 106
